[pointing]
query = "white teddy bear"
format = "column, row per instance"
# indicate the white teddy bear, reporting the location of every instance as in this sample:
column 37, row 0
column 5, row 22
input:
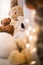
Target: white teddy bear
column 7, row 44
column 19, row 56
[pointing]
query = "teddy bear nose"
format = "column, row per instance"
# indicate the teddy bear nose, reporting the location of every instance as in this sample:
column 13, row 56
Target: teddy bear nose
column 15, row 12
column 22, row 25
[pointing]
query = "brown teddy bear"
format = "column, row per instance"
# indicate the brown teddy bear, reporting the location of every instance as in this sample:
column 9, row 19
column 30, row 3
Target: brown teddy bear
column 5, row 21
column 6, row 26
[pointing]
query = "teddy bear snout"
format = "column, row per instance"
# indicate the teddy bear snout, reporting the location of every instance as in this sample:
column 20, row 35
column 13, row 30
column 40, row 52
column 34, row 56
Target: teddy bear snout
column 22, row 25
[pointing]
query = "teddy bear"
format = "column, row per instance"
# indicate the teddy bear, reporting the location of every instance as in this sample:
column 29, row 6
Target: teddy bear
column 6, row 21
column 24, row 52
column 21, row 55
column 25, row 47
column 14, row 13
column 7, row 44
column 6, row 39
column 6, row 27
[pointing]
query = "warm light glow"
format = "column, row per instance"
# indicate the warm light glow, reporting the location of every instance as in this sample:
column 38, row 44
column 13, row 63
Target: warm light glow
column 4, row 8
column 30, row 37
column 30, row 28
column 33, row 62
column 34, row 12
column 27, row 45
column 34, row 50
column 34, row 30
column 27, row 33
column 26, row 20
column 35, row 38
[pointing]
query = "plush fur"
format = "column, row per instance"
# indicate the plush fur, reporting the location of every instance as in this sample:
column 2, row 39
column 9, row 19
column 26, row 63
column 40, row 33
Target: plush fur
column 15, row 12
column 6, row 27
column 6, row 21
column 7, row 44
column 17, row 58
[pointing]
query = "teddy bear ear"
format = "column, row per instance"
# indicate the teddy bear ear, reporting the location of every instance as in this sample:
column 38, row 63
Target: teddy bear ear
column 20, row 9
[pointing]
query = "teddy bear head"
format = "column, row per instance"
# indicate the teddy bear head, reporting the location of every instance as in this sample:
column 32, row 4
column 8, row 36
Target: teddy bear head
column 6, row 27
column 15, row 12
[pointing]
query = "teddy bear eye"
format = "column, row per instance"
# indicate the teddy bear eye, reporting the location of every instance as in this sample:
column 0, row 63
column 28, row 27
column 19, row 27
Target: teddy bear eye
column 22, row 25
column 15, row 13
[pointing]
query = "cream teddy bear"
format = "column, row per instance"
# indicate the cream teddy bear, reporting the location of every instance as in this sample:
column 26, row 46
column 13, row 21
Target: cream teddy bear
column 19, row 56
column 16, row 15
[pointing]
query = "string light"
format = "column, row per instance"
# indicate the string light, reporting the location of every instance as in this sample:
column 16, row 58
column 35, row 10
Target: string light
column 34, row 30
column 34, row 50
column 30, row 28
column 30, row 37
column 27, row 45
column 27, row 33
column 27, row 20
column 34, row 12
column 33, row 62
